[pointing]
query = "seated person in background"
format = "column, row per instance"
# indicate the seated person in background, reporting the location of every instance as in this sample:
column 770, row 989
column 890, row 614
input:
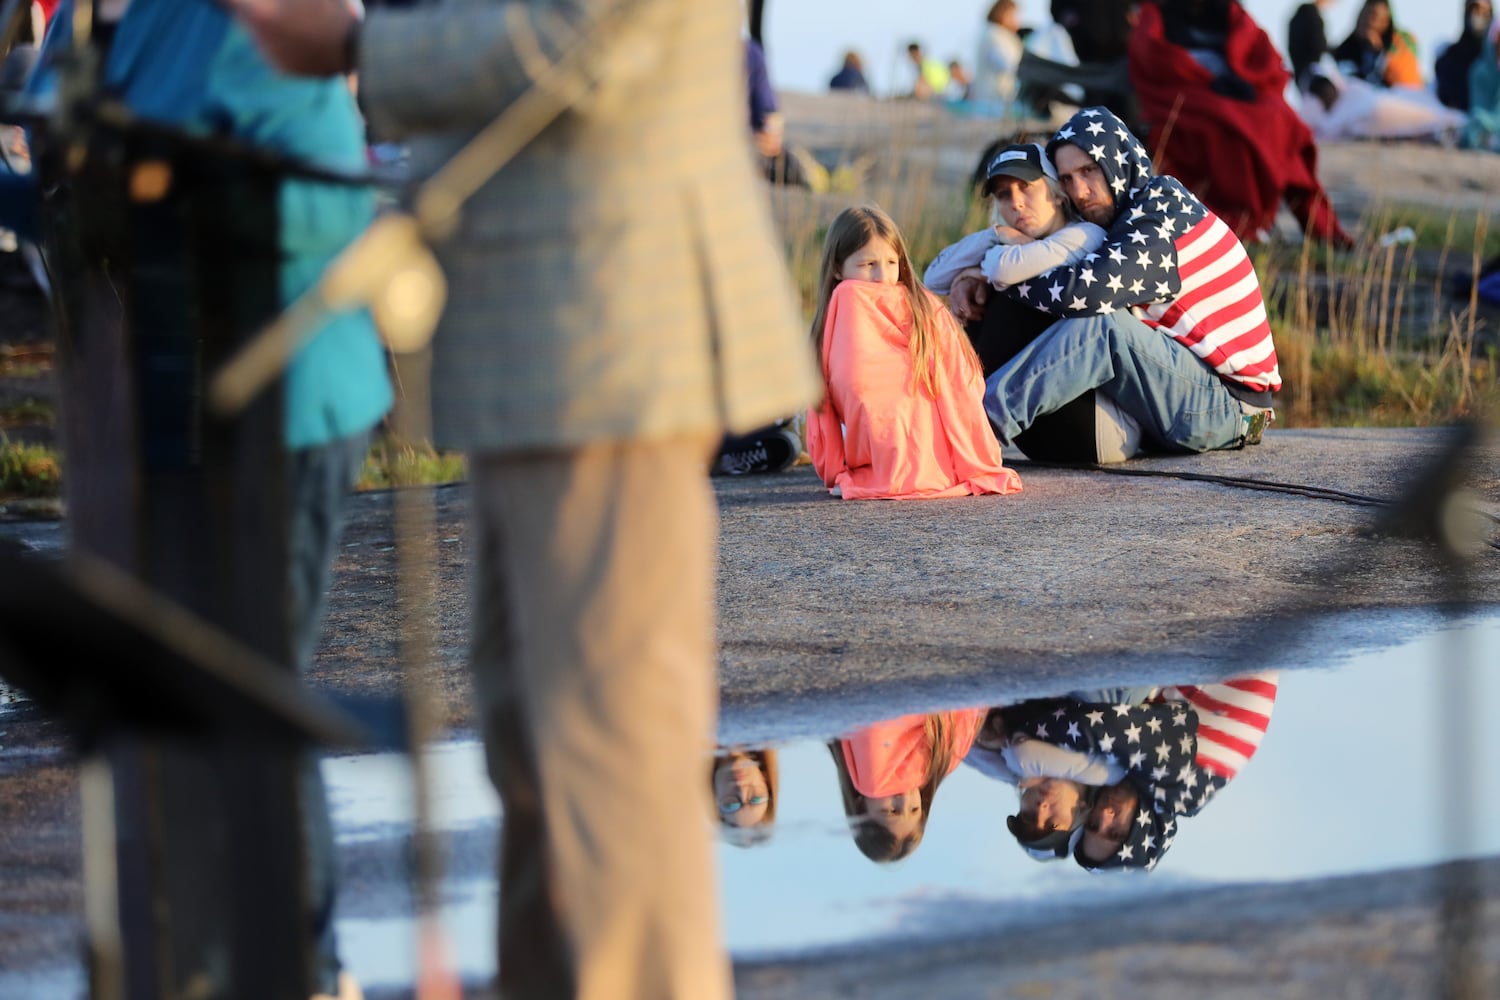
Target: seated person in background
column 960, row 83
column 1307, row 42
column 1100, row 29
column 851, row 75
column 1226, row 720
column 1482, row 131
column 766, row 124
column 901, row 416
column 1167, row 317
column 1452, row 66
column 888, row 774
column 1377, row 52
column 744, row 784
column 998, row 58
column 1211, row 89
column 1034, row 229
column 932, row 77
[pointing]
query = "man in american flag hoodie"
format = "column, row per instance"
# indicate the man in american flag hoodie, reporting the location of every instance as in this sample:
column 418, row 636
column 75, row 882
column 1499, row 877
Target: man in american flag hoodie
column 1218, row 726
column 1177, row 746
column 1166, row 317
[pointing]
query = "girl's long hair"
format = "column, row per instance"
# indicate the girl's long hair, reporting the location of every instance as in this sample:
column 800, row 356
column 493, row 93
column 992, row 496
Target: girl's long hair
column 874, row 840
column 851, row 230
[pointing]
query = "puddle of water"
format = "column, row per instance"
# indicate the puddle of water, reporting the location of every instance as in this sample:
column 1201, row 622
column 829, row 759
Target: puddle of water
column 59, row 983
column 1369, row 767
column 370, row 795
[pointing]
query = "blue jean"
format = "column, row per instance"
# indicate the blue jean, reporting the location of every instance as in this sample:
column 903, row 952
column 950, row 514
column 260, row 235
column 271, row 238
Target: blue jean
column 1115, row 695
column 318, row 481
column 1179, row 402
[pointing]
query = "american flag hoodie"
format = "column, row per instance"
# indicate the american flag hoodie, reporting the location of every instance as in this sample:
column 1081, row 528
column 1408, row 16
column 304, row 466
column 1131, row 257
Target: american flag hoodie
column 1166, row 257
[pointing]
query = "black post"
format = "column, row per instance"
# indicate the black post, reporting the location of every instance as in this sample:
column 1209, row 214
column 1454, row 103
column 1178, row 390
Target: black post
column 167, row 260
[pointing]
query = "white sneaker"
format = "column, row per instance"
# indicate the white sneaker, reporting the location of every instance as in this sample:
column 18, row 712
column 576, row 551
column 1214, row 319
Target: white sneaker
column 1117, row 436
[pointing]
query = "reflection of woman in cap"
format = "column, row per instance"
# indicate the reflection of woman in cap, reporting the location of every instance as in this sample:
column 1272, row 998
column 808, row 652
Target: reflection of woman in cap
column 744, row 784
column 889, row 772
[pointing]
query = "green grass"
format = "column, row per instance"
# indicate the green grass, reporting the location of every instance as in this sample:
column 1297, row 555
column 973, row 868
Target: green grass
column 393, row 462
column 28, row 413
column 29, row 470
column 35, row 471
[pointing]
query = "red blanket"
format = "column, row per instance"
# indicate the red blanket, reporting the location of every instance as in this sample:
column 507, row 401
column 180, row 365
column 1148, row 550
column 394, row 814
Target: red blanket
column 1240, row 157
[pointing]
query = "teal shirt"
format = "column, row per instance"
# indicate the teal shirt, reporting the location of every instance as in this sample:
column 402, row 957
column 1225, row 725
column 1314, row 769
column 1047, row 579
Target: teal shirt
column 187, row 63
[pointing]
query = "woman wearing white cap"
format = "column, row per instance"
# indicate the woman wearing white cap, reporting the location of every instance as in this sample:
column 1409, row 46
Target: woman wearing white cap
column 1034, row 227
column 1034, row 230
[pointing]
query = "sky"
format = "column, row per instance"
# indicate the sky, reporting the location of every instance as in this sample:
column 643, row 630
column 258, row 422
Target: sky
column 806, row 39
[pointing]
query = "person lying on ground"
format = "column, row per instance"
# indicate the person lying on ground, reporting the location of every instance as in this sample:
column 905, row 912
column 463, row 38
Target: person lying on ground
column 1166, row 317
column 901, row 416
column 1212, row 87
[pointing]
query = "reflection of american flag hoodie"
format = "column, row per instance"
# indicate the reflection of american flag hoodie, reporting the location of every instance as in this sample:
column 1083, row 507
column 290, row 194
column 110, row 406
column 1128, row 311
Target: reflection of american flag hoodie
column 1165, row 255
column 1232, row 718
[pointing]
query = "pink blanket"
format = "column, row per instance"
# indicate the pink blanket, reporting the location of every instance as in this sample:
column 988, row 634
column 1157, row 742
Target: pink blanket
column 878, row 433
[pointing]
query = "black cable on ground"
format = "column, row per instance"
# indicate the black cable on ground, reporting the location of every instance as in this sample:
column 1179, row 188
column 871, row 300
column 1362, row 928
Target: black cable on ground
column 1243, row 482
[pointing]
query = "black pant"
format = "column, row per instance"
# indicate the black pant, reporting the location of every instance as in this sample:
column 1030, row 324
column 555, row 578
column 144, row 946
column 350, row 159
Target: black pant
column 1065, row 435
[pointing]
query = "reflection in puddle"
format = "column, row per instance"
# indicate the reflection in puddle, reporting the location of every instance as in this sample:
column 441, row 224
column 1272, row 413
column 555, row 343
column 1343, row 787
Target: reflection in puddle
column 1354, row 775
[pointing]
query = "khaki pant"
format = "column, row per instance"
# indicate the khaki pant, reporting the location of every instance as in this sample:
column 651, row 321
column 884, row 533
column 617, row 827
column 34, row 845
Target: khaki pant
column 593, row 655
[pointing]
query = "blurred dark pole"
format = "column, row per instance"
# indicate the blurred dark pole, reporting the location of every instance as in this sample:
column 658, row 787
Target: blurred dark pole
column 158, row 283
column 1439, row 509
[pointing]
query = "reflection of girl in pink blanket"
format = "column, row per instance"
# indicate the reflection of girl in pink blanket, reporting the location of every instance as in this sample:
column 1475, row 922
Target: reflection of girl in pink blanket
column 889, row 772
column 903, row 416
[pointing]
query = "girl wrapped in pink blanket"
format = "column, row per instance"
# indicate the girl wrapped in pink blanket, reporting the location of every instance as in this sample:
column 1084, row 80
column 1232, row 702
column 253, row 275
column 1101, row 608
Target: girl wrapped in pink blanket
column 902, row 417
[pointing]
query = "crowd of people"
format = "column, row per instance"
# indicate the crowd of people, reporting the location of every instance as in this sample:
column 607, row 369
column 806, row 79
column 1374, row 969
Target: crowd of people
column 1218, row 103
column 1101, row 776
column 1374, row 83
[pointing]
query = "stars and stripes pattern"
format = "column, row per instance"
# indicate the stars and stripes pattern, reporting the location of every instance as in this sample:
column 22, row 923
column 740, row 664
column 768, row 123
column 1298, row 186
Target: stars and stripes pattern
column 1232, row 718
column 1166, row 256
column 1218, row 312
column 1179, row 750
column 1157, row 745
